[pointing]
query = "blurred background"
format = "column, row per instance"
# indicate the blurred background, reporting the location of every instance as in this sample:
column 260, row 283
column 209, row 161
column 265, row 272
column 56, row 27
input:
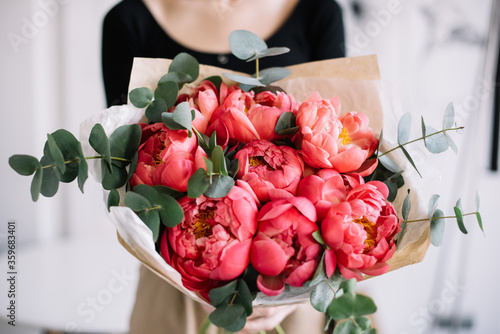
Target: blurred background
column 71, row 275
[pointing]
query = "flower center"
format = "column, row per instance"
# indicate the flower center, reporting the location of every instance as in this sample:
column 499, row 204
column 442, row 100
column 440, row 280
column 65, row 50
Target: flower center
column 371, row 233
column 259, row 161
column 201, row 227
column 158, row 159
column 344, row 137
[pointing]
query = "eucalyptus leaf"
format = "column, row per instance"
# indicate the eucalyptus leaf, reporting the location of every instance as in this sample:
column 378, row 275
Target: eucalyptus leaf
column 246, row 80
column 124, row 143
column 404, row 128
column 182, row 115
column 218, row 160
column 168, row 91
column 197, row 184
column 349, row 286
column 405, row 212
column 171, row 213
column 216, row 80
column 275, row 51
column 436, row 142
column 286, row 124
column 36, row 184
column 364, row 322
column 245, row 44
column 244, row 297
column 187, row 64
column 346, row 327
column 479, row 221
column 56, row 154
column 437, row 228
column 449, row 116
column 177, row 77
column 321, row 296
column 24, row 164
column 100, row 143
column 155, row 110
column 83, row 173
column 113, row 198
column 432, row 206
column 152, row 220
column 407, row 155
column 50, row 177
column 389, row 164
column 168, row 119
column 220, row 187
column 451, row 143
column 137, row 202
column 459, row 216
column 318, row 237
column 222, row 295
column 350, row 304
column 226, row 315
column 273, row 74
column 393, row 190
column 141, row 97
column 115, row 178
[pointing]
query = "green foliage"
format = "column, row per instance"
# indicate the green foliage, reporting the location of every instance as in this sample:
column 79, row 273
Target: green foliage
column 113, row 198
column 24, row 164
column 286, row 124
column 459, row 216
column 100, row 143
column 186, row 67
column 180, row 118
column 233, row 304
column 437, row 228
column 141, row 97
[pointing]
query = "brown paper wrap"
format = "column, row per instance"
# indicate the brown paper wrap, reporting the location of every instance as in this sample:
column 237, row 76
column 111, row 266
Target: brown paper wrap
column 357, row 82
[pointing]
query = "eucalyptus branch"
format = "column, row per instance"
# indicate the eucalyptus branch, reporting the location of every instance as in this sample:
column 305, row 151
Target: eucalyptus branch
column 86, row 158
column 257, row 68
column 445, row 217
column 421, row 138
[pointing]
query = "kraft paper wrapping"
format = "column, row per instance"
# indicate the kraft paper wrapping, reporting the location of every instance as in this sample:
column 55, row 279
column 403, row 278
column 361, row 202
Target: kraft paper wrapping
column 356, row 81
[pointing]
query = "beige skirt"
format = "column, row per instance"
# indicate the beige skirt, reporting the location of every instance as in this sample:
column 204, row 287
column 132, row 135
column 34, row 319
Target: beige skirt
column 162, row 309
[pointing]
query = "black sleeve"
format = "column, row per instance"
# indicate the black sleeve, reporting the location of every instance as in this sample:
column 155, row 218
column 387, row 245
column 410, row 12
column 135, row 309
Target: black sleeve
column 327, row 31
column 117, row 55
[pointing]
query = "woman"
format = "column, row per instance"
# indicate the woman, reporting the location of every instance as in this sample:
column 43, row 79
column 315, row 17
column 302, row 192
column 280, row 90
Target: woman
column 312, row 29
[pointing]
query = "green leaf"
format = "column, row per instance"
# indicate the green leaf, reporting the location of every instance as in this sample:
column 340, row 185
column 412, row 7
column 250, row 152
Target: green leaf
column 220, row 187
column 167, row 91
column 318, row 237
column 187, row 64
column 100, row 143
column 346, row 327
column 177, row 77
column 449, row 116
column 350, row 304
column 182, row 115
column 220, row 295
column 437, row 228
column 155, row 110
column 218, row 160
column 140, row 97
column 286, row 124
column 349, row 286
column 50, row 177
column 36, row 184
column 225, row 315
column 432, row 205
column 216, row 80
column 245, row 44
column 407, row 155
column 405, row 212
column 197, row 184
column 393, row 190
column 479, row 221
column 459, row 216
column 137, row 202
column 113, row 198
column 171, row 213
column 246, row 80
column 275, row 51
column 389, row 164
column 56, row 154
column 272, row 74
column 321, row 296
column 451, row 143
column 404, row 128
column 83, row 173
column 436, row 143
column 114, row 178
column 124, row 143
column 24, row 164
column 152, row 220
column 364, row 323
column 244, row 297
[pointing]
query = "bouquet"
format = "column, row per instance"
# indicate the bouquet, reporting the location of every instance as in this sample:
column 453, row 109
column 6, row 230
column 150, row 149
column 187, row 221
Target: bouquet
column 242, row 194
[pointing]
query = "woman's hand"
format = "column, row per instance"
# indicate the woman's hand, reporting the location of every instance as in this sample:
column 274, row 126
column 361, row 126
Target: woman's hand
column 266, row 318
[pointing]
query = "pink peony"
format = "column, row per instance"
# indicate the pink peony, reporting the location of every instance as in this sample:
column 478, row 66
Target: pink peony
column 166, row 157
column 360, row 232
column 326, row 188
column 267, row 167
column 211, row 246
column 283, row 250
column 329, row 141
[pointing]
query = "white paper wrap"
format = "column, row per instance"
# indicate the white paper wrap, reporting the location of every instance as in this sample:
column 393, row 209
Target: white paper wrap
column 355, row 80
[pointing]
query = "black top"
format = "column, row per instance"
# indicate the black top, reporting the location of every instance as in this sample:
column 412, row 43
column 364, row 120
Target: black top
column 314, row 31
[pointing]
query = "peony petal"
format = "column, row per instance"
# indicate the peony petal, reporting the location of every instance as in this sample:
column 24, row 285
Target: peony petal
column 270, row 285
column 302, row 273
column 233, row 261
column 267, row 257
column 330, row 262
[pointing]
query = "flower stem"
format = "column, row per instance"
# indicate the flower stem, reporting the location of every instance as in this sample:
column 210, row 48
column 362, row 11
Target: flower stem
column 445, row 217
column 204, row 326
column 257, row 68
column 86, row 158
column 279, row 329
column 415, row 140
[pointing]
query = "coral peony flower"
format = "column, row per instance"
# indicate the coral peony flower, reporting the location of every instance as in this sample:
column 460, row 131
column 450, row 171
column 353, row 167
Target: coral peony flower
column 283, row 250
column 360, row 232
column 163, row 150
column 267, row 167
column 326, row 188
column 325, row 141
column 212, row 243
